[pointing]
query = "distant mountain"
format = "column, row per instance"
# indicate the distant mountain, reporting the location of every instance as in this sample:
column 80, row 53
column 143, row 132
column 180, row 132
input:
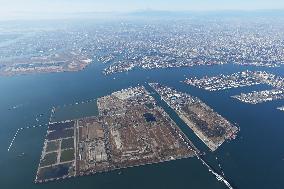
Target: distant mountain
column 142, row 14
column 238, row 13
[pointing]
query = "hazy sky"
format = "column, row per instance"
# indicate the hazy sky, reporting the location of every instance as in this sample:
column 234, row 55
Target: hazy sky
column 9, row 8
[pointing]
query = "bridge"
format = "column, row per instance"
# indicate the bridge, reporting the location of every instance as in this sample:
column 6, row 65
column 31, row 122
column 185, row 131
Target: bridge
column 218, row 176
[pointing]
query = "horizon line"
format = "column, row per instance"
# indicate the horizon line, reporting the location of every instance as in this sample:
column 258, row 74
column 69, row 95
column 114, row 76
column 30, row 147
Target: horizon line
column 26, row 15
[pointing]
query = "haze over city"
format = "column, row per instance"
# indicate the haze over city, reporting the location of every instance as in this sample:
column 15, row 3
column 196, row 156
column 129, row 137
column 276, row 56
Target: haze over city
column 31, row 9
column 136, row 94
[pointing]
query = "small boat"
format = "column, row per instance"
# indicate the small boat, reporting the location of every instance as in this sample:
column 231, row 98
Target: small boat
column 21, row 155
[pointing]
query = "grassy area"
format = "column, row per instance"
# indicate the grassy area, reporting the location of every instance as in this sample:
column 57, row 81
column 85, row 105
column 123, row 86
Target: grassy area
column 67, row 143
column 52, row 146
column 57, row 134
column 49, row 159
column 67, row 155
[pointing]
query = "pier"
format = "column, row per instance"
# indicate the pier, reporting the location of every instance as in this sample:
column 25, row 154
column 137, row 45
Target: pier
column 219, row 177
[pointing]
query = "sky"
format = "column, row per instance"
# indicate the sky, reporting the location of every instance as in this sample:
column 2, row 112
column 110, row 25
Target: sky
column 14, row 8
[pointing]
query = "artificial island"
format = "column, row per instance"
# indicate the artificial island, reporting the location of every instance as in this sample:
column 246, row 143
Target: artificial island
column 130, row 130
column 241, row 79
column 207, row 124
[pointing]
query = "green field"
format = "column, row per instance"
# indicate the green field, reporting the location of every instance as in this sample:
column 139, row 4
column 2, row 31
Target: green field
column 52, row 146
column 67, row 143
column 67, row 155
column 49, row 159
